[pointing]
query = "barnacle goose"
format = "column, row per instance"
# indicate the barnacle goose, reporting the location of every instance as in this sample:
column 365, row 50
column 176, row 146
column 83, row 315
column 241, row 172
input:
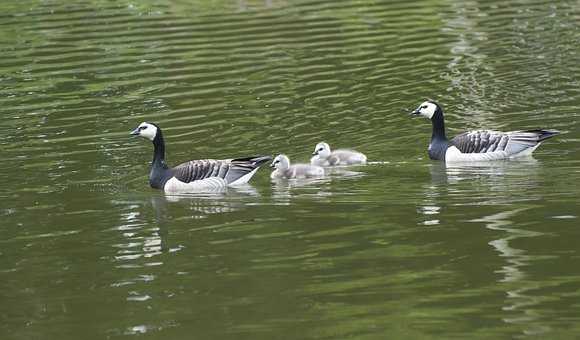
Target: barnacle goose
column 196, row 175
column 478, row 145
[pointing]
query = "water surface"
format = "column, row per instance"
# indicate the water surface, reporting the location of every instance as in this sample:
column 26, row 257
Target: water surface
column 404, row 247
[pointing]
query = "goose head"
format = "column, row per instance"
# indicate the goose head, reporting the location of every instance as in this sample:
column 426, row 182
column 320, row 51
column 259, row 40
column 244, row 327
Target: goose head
column 146, row 130
column 322, row 150
column 281, row 162
column 427, row 109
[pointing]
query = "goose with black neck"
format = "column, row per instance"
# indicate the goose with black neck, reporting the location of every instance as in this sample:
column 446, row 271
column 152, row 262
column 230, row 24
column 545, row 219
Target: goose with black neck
column 478, row 145
column 195, row 175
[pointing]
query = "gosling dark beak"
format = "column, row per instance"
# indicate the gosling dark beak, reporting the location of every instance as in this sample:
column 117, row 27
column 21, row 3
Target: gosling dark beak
column 135, row 132
column 315, row 153
column 272, row 165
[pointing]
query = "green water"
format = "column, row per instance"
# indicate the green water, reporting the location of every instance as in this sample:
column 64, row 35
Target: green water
column 405, row 248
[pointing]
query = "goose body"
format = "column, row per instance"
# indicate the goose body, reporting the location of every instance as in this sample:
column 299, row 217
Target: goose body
column 283, row 169
column 196, row 175
column 478, row 145
column 324, row 156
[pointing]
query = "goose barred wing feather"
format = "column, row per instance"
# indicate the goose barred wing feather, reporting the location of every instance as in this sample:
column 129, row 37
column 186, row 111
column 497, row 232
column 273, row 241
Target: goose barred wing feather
column 480, row 141
column 513, row 142
column 228, row 169
column 200, row 169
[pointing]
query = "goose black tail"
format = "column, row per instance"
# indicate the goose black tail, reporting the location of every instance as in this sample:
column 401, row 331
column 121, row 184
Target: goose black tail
column 256, row 161
column 242, row 169
column 545, row 134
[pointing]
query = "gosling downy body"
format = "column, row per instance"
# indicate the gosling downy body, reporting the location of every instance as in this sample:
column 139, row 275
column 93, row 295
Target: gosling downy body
column 283, row 169
column 324, row 156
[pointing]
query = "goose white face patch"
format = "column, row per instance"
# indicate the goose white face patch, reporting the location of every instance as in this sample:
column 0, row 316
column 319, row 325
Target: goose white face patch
column 427, row 109
column 147, row 130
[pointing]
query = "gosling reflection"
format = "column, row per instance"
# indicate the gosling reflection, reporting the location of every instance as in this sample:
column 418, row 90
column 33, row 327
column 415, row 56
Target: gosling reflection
column 283, row 190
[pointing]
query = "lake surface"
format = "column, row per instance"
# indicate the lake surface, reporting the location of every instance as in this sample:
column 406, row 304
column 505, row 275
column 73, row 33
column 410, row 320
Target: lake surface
column 402, row 248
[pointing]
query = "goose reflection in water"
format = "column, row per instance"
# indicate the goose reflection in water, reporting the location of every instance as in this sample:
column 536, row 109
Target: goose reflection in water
column 485, row 183
column 140, row 244
column 496, row 184
column 514, row 276
column 494, row 177
column 225, row 200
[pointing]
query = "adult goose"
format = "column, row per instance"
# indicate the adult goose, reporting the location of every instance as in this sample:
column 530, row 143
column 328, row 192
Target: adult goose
column 196, row 175
column 478, row 145
column 323, row 156
column 285, row 170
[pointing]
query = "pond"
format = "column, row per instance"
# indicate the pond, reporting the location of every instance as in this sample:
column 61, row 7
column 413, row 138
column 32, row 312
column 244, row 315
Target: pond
column 402, row 247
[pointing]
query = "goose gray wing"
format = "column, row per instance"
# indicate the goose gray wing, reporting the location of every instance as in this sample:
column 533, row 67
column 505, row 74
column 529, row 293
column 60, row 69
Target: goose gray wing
column 513, row 142
column 200, row 169
column 228, row 169
column 480, row 141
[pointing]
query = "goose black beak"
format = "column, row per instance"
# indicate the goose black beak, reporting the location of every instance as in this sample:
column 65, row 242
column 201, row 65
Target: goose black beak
column 135, row 132
column 415, row 112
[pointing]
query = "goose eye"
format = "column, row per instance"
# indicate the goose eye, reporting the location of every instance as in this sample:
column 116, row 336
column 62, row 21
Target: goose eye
column 142, row 127
column 424, row 106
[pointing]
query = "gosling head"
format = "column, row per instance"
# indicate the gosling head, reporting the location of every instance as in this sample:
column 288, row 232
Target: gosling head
column 146, row 130
column 281, row 162
column 322, row 150
column 427, row 109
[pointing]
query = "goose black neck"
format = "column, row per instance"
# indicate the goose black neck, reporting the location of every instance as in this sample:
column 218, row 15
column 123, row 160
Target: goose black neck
column 438, row 125
column 159, row 151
